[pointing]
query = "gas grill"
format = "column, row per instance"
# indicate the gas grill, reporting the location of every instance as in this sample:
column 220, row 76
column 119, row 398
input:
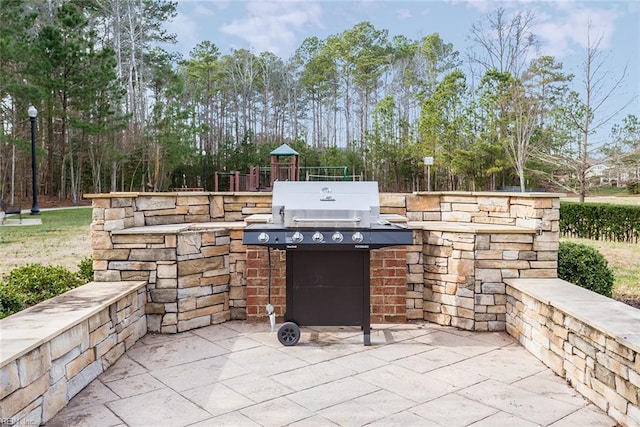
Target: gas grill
column 327, row 230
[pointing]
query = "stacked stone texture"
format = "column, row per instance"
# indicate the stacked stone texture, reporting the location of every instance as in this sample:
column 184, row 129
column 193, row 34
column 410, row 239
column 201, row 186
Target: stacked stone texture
column 38, row 384
column 415, row 279
column 195, row 277
column 237, row 276
column 451, row 276
column 595, row 363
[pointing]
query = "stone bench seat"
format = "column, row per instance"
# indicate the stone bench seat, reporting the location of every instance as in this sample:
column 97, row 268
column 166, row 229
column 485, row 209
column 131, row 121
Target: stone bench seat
column 590, row 340
column 51, row 351
column 30, row 328
column 613, row 318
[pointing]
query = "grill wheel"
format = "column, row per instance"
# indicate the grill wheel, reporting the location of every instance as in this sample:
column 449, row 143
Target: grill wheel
column 289, row 334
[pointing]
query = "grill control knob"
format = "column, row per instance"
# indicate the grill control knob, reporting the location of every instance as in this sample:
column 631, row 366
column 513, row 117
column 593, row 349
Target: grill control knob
column 337, row 237
column 297, row 237
column 317, row 237
column 357, row 237
column 263, row 237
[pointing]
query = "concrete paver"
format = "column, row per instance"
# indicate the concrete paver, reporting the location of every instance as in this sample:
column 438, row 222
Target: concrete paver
column 156, row 408
column 454, row 410
column 526, row 404
column 238, row 374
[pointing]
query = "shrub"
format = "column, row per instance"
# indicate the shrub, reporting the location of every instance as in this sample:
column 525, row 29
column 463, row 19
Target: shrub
column 11, row 301
column 586, row 267
column 600, row 221
column 85, row 270
column 633, row 186
column 38, row 282
column 34, row 283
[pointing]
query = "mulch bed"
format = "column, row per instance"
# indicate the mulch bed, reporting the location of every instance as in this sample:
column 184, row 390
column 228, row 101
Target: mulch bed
column 632, row 302
column 45, row 202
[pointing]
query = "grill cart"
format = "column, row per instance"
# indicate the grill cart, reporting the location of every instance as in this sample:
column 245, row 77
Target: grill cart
column 327, row 230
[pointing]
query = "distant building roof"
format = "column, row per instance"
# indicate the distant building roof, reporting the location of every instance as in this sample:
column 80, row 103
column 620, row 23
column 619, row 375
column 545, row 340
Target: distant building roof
column 284, row 150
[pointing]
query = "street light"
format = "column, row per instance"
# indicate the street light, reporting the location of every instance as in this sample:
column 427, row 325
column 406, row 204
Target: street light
column 428, row 161
column 204, row 170
column 33, row 113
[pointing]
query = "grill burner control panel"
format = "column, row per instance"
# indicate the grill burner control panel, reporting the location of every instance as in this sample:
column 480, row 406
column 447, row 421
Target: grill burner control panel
column 326, row 239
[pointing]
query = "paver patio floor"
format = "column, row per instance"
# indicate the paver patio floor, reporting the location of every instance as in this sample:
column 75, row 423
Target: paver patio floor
column 238, row 374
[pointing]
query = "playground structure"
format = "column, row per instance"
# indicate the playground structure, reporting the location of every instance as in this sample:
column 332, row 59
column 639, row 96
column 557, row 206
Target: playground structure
column 284, row 166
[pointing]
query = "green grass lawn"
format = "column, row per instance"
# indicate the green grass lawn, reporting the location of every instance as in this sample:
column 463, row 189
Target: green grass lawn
column 62, row 239
column 623, row 260
column 57, row 223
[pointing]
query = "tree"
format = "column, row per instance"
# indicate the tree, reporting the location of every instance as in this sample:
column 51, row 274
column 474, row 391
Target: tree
column 589, row 114
column 623, row 152
column 442, row 129
column 360, row 55
column 505, row 48
column 519, row 144
column 203, row 76
column 131, row 28
column 526, row 103
column 317, row 77
column 63, row 67
column 169, row 134
column 15, row 93
column 506, row 45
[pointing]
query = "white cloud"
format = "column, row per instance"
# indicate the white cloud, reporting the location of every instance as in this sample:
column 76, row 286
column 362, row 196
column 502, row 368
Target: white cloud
column 273, row 26
column 222, row 4
column 186, row 28
column 480, row 5
column 403, row 14
column 564, row 34
column 201, row 9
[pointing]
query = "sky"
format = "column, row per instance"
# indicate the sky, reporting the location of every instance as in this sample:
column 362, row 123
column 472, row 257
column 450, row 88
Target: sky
column 560, row 26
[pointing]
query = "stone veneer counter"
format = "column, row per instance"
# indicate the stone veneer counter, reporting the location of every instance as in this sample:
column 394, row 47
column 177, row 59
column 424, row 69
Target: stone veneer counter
column 590, row 340
column 179, row 228
column 469, row 227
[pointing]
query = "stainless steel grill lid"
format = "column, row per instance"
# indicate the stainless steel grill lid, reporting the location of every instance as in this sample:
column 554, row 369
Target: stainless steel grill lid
column 330, row 215
column 325, row 204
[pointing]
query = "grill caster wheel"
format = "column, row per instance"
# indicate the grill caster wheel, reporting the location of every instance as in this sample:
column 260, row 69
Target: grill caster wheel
column 289, row 334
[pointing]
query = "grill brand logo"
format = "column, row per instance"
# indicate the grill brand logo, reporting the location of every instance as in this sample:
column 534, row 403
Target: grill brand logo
column 362, row 246
column 292, row 246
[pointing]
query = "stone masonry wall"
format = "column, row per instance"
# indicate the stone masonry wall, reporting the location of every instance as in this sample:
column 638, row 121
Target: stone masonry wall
column 38, row 384
column 450, row 277
column 597, row 364
column 415, row 279
column 187, row 272
column 464, row 275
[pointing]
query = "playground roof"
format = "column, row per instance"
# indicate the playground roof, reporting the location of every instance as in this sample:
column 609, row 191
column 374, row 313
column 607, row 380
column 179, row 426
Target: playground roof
column 284, row 150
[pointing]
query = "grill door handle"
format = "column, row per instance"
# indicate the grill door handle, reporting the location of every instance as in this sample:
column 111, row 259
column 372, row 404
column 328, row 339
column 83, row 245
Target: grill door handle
column 354, row 219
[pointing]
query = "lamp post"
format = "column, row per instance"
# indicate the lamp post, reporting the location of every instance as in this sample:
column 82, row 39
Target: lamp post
column 204, row 170
column 33, row 113
column 428, row 161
